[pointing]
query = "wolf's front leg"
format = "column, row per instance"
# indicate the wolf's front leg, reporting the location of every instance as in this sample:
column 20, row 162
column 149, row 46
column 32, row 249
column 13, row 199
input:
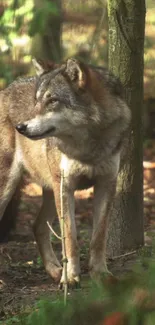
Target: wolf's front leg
column 72, row 251
column 103, row 199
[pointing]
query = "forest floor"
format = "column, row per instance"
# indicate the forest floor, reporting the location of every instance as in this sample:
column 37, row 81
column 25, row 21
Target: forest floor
column 23, row 279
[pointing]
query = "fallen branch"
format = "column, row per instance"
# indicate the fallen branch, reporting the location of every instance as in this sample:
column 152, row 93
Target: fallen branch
column 123, row 255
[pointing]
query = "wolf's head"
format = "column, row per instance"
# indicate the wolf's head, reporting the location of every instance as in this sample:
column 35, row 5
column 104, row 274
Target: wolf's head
column 69, row 98
column 75, row 104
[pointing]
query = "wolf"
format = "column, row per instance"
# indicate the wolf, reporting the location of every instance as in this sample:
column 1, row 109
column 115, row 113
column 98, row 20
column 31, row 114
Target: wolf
column 73, row 118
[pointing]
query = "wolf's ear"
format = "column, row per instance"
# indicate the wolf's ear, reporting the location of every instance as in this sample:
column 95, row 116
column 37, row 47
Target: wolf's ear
column 42, row 66
column 39, row 66
column 76, row 72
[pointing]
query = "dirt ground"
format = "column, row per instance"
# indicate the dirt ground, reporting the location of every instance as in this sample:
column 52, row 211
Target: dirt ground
column 23, row 279
column 22, row 275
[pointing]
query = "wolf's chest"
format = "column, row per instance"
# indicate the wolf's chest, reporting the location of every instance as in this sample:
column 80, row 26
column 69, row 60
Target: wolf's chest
column 77, row 174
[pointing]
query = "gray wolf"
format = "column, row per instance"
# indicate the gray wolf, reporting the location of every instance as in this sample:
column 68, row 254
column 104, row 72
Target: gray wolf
column 71, row 116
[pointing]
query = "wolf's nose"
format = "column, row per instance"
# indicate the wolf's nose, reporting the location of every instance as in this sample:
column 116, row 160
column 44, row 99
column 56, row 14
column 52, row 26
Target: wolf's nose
column 21, row 127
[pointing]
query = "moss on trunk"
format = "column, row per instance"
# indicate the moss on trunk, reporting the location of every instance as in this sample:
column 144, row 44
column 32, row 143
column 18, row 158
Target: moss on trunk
column 126, row 48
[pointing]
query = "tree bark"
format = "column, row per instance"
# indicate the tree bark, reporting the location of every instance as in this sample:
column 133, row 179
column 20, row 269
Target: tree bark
column 126, row 48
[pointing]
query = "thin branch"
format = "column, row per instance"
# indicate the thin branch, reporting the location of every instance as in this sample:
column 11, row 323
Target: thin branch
column 63, row 239
column 52, row 230
column 123, row 255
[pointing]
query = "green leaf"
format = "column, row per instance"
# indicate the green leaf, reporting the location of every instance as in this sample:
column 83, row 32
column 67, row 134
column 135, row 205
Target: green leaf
column 19, row 22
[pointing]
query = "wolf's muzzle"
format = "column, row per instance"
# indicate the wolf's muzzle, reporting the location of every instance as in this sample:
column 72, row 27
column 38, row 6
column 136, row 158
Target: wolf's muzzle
column 34, row 134
column 21, row 128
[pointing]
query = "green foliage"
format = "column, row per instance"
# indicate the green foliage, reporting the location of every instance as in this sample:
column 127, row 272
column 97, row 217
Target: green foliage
column 41, row 16
column 24, row 12
column 39, row 261
column 20, row 20
column 127, row 301
column 13, row 19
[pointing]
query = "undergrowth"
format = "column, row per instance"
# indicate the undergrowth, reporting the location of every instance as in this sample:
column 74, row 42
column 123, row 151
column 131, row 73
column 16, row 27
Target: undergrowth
column 128, row 301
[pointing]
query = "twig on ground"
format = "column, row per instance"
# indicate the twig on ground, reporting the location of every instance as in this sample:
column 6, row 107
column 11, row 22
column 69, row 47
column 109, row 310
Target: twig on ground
column 8, row 301
column 123, row 255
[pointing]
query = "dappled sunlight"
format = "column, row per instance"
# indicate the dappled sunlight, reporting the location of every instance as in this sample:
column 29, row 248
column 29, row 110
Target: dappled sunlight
column 149, row 51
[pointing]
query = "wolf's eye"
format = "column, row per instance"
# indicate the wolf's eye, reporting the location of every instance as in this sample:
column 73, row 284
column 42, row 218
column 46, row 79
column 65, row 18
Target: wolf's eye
column 51, row 104
column 48, row 98
column 52, row 100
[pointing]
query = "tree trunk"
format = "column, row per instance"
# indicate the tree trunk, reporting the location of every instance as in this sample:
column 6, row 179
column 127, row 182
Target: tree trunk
column 47, row 45
column 126, row 48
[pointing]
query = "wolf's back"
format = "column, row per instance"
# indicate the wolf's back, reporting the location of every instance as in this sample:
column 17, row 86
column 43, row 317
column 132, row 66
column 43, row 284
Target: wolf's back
column 17, row 100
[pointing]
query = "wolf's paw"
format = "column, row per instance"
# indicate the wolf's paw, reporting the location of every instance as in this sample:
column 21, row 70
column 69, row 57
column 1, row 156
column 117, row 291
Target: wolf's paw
column 100, row 275
column 73, row 274
column 54, row 270
column 98, row 270
column 73, row 282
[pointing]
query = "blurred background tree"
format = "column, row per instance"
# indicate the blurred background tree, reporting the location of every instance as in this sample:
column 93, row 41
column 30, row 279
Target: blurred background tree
column 28, row 28
column 45, row 28
column 51, row 30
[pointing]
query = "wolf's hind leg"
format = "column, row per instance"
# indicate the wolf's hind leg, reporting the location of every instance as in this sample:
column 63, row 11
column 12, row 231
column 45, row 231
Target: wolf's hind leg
column 42, row 235
column 8, row 221
column 10, row 174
